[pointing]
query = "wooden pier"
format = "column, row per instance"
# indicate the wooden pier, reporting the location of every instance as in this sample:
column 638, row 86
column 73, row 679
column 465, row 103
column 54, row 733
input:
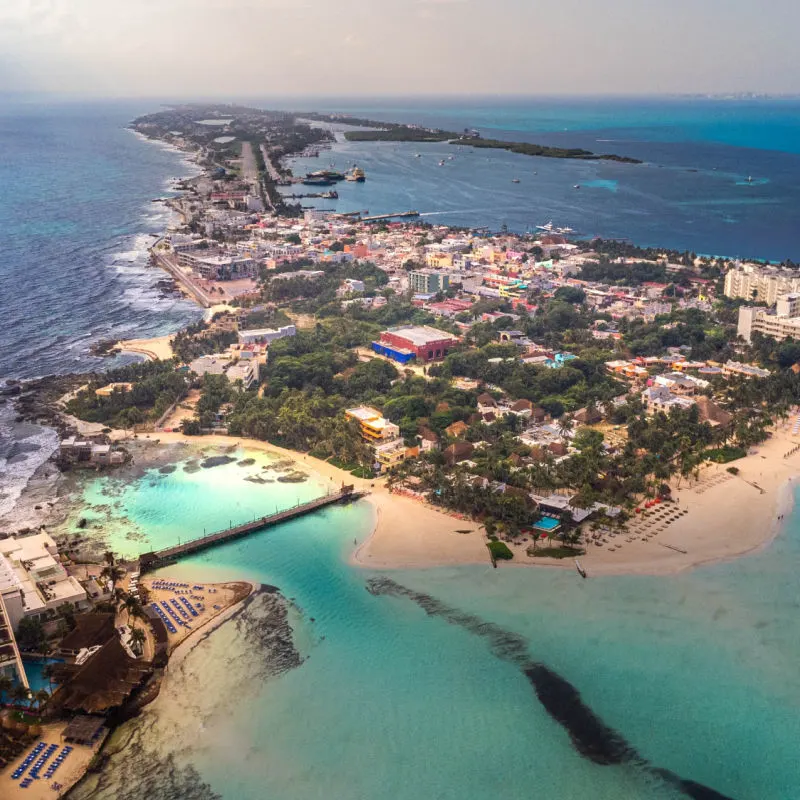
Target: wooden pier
column 398, row 215
column 153, row 560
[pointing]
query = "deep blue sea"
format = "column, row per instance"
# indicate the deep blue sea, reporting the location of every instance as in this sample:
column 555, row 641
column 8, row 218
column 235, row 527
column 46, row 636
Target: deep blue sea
column 76, row 218
column 693, row 191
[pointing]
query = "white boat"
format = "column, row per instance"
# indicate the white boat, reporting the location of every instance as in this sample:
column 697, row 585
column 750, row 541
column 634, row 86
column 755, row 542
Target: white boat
column 441, row 163
column 581, row 570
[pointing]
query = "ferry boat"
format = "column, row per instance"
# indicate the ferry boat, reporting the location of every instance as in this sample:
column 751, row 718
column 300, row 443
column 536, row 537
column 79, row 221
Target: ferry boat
column 356, row 174
column 317, row 180
column 328, row 174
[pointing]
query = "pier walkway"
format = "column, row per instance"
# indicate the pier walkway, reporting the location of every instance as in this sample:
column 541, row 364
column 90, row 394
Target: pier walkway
column 153, row 560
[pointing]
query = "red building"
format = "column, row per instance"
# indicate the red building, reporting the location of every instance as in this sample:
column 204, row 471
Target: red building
column 420, row 342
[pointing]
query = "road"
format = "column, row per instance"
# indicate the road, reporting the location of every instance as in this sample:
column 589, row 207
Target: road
column 249, row 169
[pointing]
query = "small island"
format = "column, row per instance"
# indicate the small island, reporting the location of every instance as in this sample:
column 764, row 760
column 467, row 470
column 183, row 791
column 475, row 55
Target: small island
column 397, row 132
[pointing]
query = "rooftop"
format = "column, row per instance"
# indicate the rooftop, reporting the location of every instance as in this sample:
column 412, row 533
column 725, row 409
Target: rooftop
column 420, row 335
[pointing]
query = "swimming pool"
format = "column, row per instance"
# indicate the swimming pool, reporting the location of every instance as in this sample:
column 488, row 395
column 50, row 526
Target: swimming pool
column 34, row 669
column 547, row 524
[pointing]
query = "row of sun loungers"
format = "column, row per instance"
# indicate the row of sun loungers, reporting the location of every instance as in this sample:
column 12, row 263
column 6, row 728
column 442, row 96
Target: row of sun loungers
column 164, row 618
column 39, row 756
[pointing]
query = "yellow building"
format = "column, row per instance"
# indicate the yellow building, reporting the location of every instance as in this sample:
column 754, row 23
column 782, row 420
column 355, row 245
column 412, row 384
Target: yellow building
column 374, row 427
column 439, row 260
column 107, row 391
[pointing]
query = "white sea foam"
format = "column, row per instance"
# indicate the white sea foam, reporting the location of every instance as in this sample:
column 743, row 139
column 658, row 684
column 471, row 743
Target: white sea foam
column 24, row 447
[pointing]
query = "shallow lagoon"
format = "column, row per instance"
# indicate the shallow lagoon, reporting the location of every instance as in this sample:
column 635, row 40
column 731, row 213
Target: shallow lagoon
column 696, row 671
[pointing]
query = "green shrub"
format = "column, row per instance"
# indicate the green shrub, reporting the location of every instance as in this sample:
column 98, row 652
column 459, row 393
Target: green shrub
column 500, row 551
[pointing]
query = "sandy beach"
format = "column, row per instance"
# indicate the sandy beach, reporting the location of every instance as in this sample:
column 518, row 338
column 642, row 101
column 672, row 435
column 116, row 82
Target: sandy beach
column 159, row 347
column 210, row 601
column 68, row 774
column 722, row 516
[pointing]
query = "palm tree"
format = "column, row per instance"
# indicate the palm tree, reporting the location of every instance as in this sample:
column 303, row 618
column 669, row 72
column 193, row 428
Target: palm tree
column 42, row 697
column 134, row 608
column 19, row 694
column 138, row 639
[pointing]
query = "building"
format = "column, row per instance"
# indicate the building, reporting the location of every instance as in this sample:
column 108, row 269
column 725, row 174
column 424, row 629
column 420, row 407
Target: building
column 783, row 324
column 75, row 451
column 218, row 267
column 108, row 390
column 10, row 662
column 33, row 582
column 390, row 454
column 420, row 342
column 428, row 281
column 660, row 398
column 374, row 426
column 244, row 369
column 760, row 283
column 266, row 335
column 350, row 285
column 746, row 370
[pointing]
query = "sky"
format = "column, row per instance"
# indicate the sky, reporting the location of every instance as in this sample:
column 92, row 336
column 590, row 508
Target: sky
column 210, row 48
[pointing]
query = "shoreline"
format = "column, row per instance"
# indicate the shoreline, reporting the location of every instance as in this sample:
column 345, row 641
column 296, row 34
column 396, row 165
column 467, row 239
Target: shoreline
column 412, row 534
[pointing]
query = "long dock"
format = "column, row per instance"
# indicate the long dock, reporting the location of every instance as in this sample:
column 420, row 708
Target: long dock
column 398, row 215
column 153, row 560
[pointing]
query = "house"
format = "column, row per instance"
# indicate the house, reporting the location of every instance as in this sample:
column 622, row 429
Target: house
column 109, row 389
column 486, row 404
column 660, row 398
column 455, row 430
column 457, row 452
column 428, row 440
column 588, row 416
column 522, row 408
column 390, row 454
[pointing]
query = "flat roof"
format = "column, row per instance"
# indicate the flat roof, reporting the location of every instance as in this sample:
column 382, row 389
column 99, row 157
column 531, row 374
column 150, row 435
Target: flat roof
column 364, row 413
column 420, row 335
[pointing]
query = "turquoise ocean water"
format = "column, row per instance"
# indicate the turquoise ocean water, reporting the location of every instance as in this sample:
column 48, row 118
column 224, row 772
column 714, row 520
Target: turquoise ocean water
column 696, row 671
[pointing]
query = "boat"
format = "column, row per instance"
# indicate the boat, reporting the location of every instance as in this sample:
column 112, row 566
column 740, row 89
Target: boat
column 749, row 178
column 581, row 570
column 332, row 195
column 576, row 186
column 547, row 227
column 328, row 174
column 515, row 180
column 356, row 174
column 416, row 155
column 318, row 180
column 441, row 163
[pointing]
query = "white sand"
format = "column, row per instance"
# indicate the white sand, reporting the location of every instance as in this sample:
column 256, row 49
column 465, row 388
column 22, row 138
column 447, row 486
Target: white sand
column 727, row 517
column 69, row 773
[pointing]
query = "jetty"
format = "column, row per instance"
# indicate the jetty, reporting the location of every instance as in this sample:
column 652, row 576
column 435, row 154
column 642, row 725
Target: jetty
column 398, row 215
column 158, row 558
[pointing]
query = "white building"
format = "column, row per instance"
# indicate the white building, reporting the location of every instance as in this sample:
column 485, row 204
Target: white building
column 783, row 324
column 660, row 398
column 33, row 580
column 760, row 283
column 266, row 335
